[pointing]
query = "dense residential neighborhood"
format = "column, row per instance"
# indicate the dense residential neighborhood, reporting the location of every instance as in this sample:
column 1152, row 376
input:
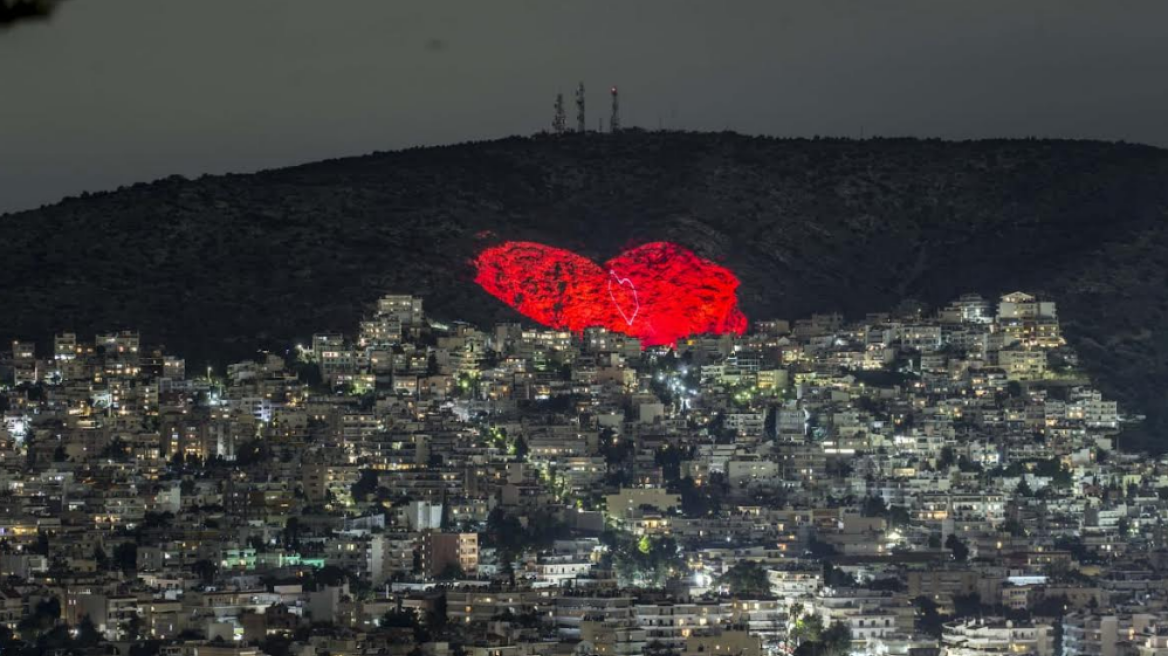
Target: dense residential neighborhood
column 924, row 481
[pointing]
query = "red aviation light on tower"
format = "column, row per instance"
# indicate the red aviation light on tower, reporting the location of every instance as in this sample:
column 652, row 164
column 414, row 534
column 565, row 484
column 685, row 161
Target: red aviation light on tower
column 658, row 293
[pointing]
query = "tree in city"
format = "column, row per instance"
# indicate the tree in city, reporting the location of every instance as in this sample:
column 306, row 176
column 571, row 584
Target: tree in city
column 615, row 449
column 967, row 605
column 898, row 516
column 117, row 449
column 835, row 577
column 366, row 484
column 746, row 577
column 947, row 459
column 959, row 549
column 519, row 449
column 87, row 634
column 835, row 640
column 205, row 570
column 101, row 558
column 1014, row 527
column 292, row 532
column 820, row 549
column 704, row 499
column 252, row 452
column 1123, row 527
column 669, row 459
column 331, row 576
column 874, row 506
column 646, row 562
column 804, row 628
column 452, row 572
column 44, row 616
column 1023, row 488
column 134, row 627
column 407, row 619
column 929, row 620
column 1053, row 468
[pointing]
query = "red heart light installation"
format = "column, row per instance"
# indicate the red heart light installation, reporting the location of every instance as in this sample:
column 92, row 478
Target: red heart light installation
column 659, row 292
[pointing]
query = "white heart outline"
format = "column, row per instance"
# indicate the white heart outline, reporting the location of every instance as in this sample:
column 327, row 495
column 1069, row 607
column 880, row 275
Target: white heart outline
column 621, row 281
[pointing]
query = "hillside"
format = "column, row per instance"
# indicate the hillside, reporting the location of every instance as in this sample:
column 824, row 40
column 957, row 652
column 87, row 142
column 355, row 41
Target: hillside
column 217, row 266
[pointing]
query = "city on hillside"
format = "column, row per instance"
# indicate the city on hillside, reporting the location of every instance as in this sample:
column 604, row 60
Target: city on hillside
column 920, row 481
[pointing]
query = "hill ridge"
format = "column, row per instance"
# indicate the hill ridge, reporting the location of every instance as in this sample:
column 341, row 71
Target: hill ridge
column 218, row 265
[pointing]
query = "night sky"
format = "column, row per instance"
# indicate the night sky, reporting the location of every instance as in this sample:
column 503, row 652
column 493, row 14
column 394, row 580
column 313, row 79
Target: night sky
column 112, row 92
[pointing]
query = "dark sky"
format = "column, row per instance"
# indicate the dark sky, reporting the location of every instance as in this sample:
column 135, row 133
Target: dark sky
column 111, row 92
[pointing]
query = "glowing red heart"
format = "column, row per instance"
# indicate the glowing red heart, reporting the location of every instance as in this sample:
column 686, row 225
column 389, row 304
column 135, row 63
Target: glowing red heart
column 659, row 292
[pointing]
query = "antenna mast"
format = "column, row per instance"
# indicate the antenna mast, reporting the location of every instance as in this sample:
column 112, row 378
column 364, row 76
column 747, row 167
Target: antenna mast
column 580, row 126
column 614, row 123
column 560, row 122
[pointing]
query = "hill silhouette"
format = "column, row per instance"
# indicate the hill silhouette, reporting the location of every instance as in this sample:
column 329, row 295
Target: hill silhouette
column 219, row 266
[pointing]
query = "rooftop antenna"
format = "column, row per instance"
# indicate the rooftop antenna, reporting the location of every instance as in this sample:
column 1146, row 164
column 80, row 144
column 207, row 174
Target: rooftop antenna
column 560, row 122
column 614, row 123
column 580, row 126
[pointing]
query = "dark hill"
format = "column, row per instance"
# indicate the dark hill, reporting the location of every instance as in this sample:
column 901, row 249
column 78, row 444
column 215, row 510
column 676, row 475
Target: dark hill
column 217, row 266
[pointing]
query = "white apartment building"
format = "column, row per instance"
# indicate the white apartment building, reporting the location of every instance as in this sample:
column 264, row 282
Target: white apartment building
column 993, row 636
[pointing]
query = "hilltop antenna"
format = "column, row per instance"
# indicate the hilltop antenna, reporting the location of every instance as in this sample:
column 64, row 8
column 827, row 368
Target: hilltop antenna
column 614, row 123
column 560, row 122
column 580, row 126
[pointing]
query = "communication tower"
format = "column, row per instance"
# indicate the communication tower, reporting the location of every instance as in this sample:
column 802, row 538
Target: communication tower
column 614, row 123
column 580, row 125
column 560, row 122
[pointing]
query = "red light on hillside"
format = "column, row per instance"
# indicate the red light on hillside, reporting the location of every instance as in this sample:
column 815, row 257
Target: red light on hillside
column 659, row 292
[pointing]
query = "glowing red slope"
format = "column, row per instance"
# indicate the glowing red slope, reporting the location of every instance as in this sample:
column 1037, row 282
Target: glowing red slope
column 658, row 292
